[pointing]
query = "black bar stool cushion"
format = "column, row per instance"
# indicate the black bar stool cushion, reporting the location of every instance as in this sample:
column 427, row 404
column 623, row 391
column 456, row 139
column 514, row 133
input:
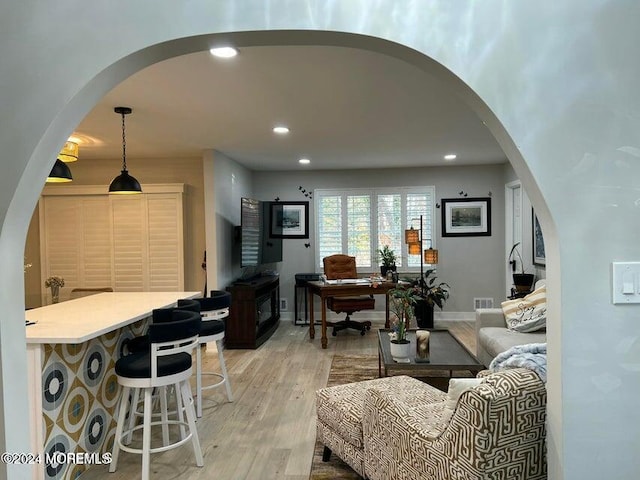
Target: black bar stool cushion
column 138, row 365
column 211, row 327
column 142, row 344
column 217, row 300
column 189, row 304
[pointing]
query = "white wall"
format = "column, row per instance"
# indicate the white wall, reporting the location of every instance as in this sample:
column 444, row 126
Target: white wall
column 473, row 266
column 557, row 86
column 226, row 182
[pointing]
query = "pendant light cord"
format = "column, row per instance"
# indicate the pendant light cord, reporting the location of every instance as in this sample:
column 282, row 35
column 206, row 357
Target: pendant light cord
column 124, row 146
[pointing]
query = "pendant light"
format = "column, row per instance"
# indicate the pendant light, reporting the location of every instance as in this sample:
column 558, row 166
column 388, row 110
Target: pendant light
column 69, row 152
column 60, row 173
column 124, row 183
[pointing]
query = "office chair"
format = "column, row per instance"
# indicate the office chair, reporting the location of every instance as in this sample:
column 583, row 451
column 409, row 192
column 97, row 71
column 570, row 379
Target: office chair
column 340, row 267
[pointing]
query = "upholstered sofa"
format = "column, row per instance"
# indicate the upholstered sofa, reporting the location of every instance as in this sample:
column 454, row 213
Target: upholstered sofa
column 399, row 428
column 493, row 336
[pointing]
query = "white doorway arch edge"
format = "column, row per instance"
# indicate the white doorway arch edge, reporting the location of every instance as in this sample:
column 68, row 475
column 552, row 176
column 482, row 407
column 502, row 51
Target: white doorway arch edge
column 506, row 54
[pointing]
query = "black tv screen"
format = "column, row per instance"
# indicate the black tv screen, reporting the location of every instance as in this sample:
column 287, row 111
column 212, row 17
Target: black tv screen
column 256, row 246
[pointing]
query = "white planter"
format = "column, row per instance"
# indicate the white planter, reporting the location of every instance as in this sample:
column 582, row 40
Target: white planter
column 401, row 352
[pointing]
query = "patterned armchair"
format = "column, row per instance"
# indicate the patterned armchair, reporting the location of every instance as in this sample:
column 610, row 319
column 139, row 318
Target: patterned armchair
column 497, row 431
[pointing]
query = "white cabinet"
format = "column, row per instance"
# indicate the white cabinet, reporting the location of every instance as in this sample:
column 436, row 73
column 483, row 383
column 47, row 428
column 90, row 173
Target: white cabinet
column 127, row 242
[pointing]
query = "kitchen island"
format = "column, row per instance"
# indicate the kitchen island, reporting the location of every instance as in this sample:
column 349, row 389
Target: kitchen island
column 72, row 348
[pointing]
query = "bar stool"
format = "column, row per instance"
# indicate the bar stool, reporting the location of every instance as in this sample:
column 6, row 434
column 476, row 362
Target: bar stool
column 213, row 309
column 168, row 362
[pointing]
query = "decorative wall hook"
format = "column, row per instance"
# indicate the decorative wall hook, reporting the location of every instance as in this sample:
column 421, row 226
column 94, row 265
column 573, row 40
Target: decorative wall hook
column 437, row 205
column 307, row 245
column 277, row 199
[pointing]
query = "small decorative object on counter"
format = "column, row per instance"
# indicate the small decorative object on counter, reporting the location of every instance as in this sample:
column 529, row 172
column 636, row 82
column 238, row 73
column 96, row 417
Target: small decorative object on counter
column 422, row 346
column 54, row 283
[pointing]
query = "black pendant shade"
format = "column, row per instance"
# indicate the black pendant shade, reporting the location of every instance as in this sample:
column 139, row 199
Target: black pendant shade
column 59, row 173
column 124, row 183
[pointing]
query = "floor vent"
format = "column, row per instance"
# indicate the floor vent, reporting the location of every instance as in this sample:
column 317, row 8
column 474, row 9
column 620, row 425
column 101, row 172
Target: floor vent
column 482, row 303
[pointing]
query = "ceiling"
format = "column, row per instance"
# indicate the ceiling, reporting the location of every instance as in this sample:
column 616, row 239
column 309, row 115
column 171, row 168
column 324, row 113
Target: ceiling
column 346, row 108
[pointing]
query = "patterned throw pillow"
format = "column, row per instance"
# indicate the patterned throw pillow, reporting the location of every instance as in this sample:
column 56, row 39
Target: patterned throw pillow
column 527, row 314
column 457, row 386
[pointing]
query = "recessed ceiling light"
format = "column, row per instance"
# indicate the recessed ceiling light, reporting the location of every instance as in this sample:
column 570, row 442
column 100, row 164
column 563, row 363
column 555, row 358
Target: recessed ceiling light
column 451, row 156
column 281, row 130
column 304, row 161
column 224, row 52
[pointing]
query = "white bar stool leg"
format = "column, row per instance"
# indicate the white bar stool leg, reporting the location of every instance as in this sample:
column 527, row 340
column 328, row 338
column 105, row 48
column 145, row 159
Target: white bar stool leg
column 124, row 401
column 199, row 381
column 223, row 369
column 146, row 435
column 163, row 392
column 133, row 409
column 185, row 389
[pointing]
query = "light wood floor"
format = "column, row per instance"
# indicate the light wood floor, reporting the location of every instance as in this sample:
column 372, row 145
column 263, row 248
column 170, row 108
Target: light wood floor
column 268, row 432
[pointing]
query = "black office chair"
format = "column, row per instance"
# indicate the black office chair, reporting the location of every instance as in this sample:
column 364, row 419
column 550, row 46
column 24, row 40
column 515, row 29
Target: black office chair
column 167, row 362
column 341, row 267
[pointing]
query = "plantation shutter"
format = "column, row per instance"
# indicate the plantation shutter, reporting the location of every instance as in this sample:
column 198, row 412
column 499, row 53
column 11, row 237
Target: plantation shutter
column 359, row 229
column 129, row 243
column 329, row 227
column 360, row 222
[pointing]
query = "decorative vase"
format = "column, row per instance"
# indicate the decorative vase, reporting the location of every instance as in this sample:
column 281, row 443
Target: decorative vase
column 401, row 352
column 423, row 311
column 55, row 294
column 384, row 269
column 422, row 346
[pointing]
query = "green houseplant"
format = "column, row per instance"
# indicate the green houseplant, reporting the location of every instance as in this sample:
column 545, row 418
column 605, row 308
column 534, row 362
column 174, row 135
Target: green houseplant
column 387, row 260
column 401, row 303
column 430, row 293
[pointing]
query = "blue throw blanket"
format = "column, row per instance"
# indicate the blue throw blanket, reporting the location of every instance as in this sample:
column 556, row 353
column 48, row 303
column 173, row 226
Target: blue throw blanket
column 532, row 356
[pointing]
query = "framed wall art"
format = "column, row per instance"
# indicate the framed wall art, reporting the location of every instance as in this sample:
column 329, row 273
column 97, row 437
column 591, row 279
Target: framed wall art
column 466, row 217
column 539, row 257
column 289, row 220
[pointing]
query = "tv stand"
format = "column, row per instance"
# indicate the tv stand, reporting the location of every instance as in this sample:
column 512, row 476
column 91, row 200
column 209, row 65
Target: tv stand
column 255, row 312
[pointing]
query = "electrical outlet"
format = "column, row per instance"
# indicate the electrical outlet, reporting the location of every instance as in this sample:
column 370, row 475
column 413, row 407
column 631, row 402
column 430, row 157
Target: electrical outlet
column 283, row 304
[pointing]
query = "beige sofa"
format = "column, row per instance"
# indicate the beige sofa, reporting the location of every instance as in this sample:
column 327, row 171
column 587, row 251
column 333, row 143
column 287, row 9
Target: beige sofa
column 493, row 336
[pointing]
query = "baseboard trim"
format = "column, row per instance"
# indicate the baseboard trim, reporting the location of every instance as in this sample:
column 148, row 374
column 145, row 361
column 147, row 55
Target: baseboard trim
column 379, row 316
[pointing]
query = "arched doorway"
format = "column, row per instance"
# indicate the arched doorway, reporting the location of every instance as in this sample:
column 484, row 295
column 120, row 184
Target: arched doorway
column 63, row 115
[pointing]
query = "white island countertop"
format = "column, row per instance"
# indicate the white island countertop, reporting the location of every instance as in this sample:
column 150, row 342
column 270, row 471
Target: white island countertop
column 81, row 319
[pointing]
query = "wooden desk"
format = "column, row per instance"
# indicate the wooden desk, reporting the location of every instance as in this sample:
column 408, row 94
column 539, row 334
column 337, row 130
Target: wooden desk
column 326, row 290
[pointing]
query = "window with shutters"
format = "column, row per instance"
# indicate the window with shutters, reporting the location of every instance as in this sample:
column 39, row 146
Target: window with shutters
column 359, row 222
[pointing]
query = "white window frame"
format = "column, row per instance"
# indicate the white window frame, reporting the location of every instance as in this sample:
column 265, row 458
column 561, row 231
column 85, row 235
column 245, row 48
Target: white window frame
column 429, row 230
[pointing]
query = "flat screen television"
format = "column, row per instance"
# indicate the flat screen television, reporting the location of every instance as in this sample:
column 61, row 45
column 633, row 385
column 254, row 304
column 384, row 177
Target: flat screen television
column 256, row 246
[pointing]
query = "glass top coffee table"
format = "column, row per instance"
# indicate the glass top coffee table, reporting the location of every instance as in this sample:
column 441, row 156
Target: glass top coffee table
column 446, row 353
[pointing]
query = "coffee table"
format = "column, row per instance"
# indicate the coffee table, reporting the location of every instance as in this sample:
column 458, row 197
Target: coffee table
column 445, row 353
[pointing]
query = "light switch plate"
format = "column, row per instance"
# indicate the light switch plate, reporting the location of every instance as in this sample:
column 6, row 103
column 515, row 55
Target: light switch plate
column 626, row 282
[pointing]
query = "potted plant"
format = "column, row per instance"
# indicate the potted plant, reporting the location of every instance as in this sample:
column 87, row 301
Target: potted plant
column 430, row 293
column 401, row 302
column 387, row 260
column 522, row 281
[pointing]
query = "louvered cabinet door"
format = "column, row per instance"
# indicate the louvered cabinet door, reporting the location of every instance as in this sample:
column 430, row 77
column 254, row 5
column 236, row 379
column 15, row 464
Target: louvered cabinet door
column 75, row 240
column 165, row 242
column 130, row 243
column 128, row 220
